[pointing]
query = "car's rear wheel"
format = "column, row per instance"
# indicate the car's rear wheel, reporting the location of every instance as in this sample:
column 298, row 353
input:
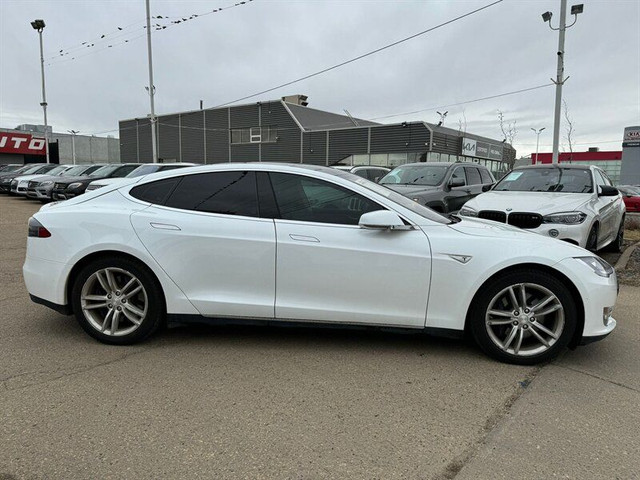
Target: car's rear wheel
column 117, row 301
column 524, row 317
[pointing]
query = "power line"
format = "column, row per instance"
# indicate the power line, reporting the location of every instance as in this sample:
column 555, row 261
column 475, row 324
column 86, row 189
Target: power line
column 359, row 57
column 465, row 102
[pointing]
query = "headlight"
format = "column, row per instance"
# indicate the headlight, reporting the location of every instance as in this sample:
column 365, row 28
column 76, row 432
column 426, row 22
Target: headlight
column 566, row 218
column 44, row 184
column 468, row 212
column 71, row 186
column 599, row 266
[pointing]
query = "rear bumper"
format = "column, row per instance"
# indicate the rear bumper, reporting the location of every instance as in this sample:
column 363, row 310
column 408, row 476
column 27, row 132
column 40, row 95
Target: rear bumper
column 45, row 280
column 63, row 309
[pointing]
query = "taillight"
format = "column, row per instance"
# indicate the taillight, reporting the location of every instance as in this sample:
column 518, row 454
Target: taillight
column 36, row 229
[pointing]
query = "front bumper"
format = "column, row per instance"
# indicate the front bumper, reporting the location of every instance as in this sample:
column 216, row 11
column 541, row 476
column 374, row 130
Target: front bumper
column 576, row 234
column 39, row 193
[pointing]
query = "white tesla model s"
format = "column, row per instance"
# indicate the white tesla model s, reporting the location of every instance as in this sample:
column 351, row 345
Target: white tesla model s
column 279, row 243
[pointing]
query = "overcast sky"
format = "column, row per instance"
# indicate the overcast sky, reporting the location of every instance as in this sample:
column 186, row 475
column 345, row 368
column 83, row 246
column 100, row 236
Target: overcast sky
column 246, row 49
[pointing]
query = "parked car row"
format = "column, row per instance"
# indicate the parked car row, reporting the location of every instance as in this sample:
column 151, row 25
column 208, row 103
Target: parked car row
column 47, row 182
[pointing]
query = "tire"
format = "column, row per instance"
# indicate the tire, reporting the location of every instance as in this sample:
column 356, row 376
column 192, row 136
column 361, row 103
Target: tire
column 530, row 341
column 118, row 301
column 616, row 245
column 592, row 239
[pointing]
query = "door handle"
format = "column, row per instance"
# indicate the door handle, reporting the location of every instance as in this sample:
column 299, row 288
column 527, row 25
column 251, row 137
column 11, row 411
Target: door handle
column 164, row 226
column 303, row 238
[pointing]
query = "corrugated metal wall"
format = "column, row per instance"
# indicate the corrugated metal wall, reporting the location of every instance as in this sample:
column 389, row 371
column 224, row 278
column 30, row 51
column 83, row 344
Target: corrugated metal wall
column 169, row 138
column 315, row 148
column 343, row 143
column 398, row 139
column 444, row 143
column 129, row 141
column 145, row 155
column 217, row 135
column 287, row 148
column 192, row 135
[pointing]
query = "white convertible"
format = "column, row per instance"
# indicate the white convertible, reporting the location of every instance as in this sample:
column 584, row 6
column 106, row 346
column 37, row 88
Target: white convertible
column 278, row 243
column 578, row 204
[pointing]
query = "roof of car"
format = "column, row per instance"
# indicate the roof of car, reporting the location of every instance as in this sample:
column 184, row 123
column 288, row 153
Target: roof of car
column 556, row 165
column 442, row 164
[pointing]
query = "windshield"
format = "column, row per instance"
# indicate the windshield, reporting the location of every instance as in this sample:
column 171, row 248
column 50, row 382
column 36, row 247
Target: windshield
column 29, row 169
column 105, row 171
column 431, row 175
column 415, row 207
column 629, row 191
column 143, row 170
column 57, row 170
column 11, row 168
column 73, row 171
column 551, row 179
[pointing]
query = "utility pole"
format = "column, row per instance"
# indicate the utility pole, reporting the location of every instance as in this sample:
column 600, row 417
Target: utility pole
column 559, row 81
column 39, row 26
column 538, row 132
column 151, row 89
column 73, row 144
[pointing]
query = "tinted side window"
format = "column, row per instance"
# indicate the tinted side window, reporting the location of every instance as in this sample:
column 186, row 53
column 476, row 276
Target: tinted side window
column 361, row 173
column 486, row 176
column 311, row 200
column 124, row 171
column 155, row 192
column 459, row 173
column 473, row 175
column 229, row 193
column 375, row 174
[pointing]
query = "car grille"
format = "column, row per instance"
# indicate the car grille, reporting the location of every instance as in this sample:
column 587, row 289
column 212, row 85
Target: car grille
column 517, row 219
column 59, row 185
column 493, row 215
column 33, row 184
column 525, row 220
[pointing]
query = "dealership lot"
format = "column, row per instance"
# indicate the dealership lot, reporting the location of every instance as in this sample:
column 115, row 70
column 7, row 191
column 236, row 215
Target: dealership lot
column 303, row 403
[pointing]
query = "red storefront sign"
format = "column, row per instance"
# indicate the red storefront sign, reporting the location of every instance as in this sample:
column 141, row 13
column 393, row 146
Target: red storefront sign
column 21, row 143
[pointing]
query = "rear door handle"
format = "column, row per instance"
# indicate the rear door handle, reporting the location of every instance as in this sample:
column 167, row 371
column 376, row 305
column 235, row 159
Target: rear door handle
column 164, row 226
column 303, row 238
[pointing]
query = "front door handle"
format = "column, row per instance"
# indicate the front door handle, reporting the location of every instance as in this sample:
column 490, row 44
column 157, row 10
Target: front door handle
column 303, row 238
column 164, row 226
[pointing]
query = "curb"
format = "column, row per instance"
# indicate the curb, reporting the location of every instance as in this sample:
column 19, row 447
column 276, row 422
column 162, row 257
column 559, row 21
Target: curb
column 624, row 258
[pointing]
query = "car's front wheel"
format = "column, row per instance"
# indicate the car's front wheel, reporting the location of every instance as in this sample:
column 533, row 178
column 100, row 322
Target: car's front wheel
column 524, row 317
column 117, row 301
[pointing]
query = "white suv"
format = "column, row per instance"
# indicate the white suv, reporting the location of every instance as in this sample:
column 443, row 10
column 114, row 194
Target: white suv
column 577, row 204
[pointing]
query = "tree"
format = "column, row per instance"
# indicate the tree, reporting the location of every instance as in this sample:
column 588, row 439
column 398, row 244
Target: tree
column 508, row 129
column 569, row 128
column 462, row 123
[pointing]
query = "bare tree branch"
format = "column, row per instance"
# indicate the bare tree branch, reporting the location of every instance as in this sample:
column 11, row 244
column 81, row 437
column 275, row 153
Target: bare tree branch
column 569, row 128
column 508, row 129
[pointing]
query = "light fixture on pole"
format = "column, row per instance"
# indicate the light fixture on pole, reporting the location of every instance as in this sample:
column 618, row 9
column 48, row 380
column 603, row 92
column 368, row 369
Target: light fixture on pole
column 39, row 26
column 442, row 117
column 151, row 88
column 537, row 132
column 559, row 81
column 73, row 143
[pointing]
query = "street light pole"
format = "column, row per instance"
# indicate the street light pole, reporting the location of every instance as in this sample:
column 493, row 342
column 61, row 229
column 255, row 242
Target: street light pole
column 39, row 26
column 73, row 143
column 538, row 132
column 151, row 88
column 559, row 81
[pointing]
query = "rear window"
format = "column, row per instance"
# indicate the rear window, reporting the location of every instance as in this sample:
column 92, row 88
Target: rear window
column 155, row 192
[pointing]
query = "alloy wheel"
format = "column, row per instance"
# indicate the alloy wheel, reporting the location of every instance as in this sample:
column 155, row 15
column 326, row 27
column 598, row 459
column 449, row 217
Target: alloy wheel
column 525, row 319
column 114, row 301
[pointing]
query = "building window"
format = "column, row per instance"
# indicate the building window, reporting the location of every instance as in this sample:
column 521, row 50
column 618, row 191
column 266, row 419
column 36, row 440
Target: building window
column 254, row 135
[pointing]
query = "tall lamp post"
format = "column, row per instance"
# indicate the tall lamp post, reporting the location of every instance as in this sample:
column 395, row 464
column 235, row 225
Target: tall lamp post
column 559, row 81
column 537, row 132
column 151, row 88
column 73, row 143
column 39, row 26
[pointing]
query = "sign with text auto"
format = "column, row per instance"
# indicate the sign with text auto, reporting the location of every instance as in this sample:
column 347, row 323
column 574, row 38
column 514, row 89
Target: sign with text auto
column 21, row 143
column 475, row 148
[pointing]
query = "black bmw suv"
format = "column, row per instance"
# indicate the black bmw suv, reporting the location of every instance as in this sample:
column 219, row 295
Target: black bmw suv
column 443, row 187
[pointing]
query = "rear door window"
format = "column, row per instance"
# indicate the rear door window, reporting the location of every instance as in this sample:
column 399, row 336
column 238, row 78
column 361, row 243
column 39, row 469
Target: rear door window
column 486, row 176
column 473, row 176
column 155, row 192
column 228, row 193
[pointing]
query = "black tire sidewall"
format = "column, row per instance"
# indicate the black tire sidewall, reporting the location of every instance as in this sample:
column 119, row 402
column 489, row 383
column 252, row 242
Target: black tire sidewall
column 489, row 290
column 155, row 310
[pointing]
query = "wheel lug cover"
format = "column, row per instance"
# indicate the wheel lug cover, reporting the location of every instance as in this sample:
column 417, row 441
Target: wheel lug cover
column 109, row 296
column 124, row 300
column 118, row 293
column 526, row 310
column 524, row 326
column 119, row 309
column 516, row 313
column 515, row 322
column 110, row 305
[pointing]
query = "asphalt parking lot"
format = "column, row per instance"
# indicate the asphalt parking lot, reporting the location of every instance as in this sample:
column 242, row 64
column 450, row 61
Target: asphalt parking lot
column 204, row 402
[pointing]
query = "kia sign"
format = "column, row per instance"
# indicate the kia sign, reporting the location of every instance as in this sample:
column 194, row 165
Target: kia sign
column 21, row 143
column 474, row 148
column 631, row 137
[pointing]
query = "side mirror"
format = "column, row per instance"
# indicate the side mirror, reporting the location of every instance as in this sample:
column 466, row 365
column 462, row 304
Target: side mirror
column 456, row 182
column 486, row 188
column 382, row 220
column 607, row 191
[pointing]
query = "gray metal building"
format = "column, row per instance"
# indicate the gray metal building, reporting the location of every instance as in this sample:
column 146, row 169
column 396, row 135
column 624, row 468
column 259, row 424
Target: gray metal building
column 287, row 130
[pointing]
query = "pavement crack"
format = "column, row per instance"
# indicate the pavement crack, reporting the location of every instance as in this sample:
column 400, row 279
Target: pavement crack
column 5, row 381
column 593, row 375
